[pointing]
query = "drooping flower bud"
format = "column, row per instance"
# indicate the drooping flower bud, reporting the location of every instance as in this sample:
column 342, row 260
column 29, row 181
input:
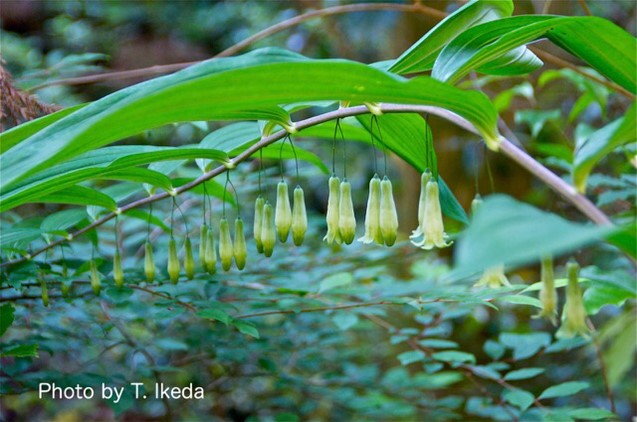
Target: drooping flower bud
column 211, row 252
column 268, row 235
column 299, row 216
column 433, row 231
column 189, row 261
column 475, row 204
column 574, row 313
column 388, row 214
column 372, row 214
column 258, row 222
column 203, row 237
column 96, row 281
column 174, row 267
column 118, row 272
column 425, row 177
column 346, row 217
column 331, row 218
column 45, row 293
column 493, row 278
column 226, row 252
column 240, row 249
column 149, row 262
column 283, row 212
column 548, row 294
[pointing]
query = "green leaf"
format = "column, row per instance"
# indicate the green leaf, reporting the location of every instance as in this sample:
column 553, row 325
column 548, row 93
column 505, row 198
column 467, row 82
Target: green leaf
column 525, row 345
column 334, row 281
column 494, row 349
column 520, row 398
column 521, row 300
column 345, row 320
column 523, row 374
column 596, row 297
column 14, row 236
column 20, row 351
column 436, row 343
column 591, row 413
column 62, row 220
column 6, row 317
column 140, row 175
column 410, row 357
column 501, row 234
column 454, row 356
column 421, row 56
column 602, row 44
column 97, row 164
column 214, row 314
column 229, row 138
column 620, row 355
column 564, row 389
column 80, row 195
column 601, row 143
column 243, row 87
column 144, row 216
column 246, row 328
column 519, row 61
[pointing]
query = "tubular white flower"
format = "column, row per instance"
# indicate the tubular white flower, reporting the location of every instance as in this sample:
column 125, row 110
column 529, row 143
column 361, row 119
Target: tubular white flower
column 372, row 214
column 346, row 217
column 331, row 218
column 433, row 231
column 388, row 214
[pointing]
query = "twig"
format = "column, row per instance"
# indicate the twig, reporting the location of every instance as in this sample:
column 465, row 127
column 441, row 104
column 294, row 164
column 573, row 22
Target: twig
column 506, row 147
column 585, row 7
column 320, row 309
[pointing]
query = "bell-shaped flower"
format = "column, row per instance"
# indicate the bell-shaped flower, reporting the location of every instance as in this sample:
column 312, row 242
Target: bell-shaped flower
column 268, row 234
column 346, row 217
column 425, row 177
column 333, row 205
column 96, row 281
column 548, row 293
column 118, row 271
column 240, row 249
column 493, row 278
column 283, row 211
column 372, row 214
column 388, row 215
column 174, row 267
column 258, row 222
column 226, row 251
column 203, row 236
column 211, row 252
column 433, row 231
column 149, row 262
column 574, row 313
column 299, row 216
column 189, row 261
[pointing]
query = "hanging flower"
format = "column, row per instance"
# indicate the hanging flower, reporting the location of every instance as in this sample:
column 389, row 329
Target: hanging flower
column 258, row 222
column 331, row 218
column 372, row 214
column 388, row 215
column 424, row 179
column 574, row 313
column 240, row 249
column 149, row 262
column 283, row 212
column 189, row 261
column 203, row 237
column 299, row 216
column 268, row 235
column 118, row 272
column 211, row 253
column 493, row 278
column 96, row 282
column 548, row 294
column 433, row 231
column 226, row 251
column 346, row 217
column 173, row 261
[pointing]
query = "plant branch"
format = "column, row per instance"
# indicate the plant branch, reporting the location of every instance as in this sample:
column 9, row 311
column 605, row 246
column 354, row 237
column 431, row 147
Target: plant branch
column 321, row 308
column 506, row 147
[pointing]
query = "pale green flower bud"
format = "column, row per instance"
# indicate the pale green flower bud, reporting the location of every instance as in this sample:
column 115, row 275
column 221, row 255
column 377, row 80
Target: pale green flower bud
column 240, row 249
column 149, row 262
column 268, row 235
column 189, row 261
column 331, row 218
column 548, row 294
column 203, row 238
column 118, row 272
column 226, row 251
column 346, row 217
column 388, row 214
column 475, row 204
column 258, row 222
column 425, row 177
column 433, row 229
column 299, row 217
column 283, row 211
column 96, row 281
column 174, row 267
column 372, row 214
column 574, row 313
column 493, row 278
column 211, row 252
